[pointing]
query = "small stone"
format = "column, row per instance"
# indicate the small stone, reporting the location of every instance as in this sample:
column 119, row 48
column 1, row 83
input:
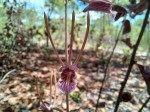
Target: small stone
column 64, row 105
column 34, row 110
column 13, row 100
column 7, row 91
column 30, row 105
column 45, row 70
column 25, row 73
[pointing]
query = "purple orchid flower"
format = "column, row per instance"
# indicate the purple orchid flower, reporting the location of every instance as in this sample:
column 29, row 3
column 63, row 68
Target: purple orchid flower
column 67, row 81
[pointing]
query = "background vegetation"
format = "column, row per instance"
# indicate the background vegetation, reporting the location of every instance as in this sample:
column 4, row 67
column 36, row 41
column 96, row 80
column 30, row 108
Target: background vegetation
column 22, row 23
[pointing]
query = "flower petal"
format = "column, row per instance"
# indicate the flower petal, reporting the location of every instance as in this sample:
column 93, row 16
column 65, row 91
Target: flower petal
column 66, row 87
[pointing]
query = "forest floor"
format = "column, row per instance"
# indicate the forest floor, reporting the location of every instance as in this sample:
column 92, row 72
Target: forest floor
column 18, row 90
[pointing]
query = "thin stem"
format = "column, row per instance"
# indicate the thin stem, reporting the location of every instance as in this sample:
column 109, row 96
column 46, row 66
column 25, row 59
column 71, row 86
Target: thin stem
column 39, row 95
column 55, row 92
column 84, row 42
column 67, row 102
column 66, row 28
column 66, row 46
column 37, row 90
column 106, row 68
column 50, row 92
column 47, row 45
column 49, row 35
column 144, row 104
column 7, row 74
column 72, row 38
column 148, row 51
column 132, row 58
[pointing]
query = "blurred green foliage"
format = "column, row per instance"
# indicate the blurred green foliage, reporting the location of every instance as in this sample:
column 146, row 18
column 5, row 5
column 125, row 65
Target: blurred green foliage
column 23, row 25
column 76, row 96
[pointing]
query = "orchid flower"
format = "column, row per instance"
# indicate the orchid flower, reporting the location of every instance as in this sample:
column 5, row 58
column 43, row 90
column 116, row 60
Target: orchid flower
column 67, row 81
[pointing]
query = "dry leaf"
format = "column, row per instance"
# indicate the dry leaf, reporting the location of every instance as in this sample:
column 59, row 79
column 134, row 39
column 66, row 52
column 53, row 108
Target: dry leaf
column 146, row 75
column 138, row 8
column 118, row 15
column 103, row 6
column 126, row 97
column 127, row 26
column 119, row 9
column 127, row 41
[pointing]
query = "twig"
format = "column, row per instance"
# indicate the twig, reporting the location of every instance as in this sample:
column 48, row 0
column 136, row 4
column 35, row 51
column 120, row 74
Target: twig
column 37, row 90
column 66, row 46
column 144, row 104
column 67, row 102
column 148, row 50
column 7, row 74
column 50, row 92
column 72, row 38
column 132, row 58
column 66, row 28
column 106, row 68
column 55, row 83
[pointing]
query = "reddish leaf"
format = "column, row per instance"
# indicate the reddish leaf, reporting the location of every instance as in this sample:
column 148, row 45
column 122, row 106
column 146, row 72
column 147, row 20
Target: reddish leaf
column 119, row 9
column 141, row 67
column 140, row 7
column 124, row 59
column 118, row 15
column 127, row 26
column 146, row 75
column 103, row 6
column 127, row 41
column 126, row 97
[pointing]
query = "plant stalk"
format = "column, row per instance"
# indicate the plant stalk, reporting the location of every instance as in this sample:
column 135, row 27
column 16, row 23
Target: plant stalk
column 66, row 47
column 144, row 104
column 67, row 102
column 106, row 69
column 66, row 28
column 132, row 58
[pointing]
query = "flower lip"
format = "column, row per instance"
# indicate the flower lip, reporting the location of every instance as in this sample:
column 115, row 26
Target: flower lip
column 67, row 82
column 68, row 75
column 66, row 87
